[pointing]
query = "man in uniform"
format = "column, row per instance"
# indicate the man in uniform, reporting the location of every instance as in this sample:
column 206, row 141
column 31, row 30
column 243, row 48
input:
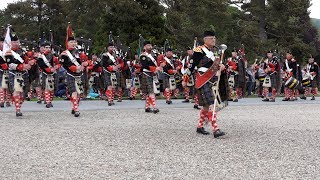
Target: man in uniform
column 112, row 66
column 18, row 67
column 149, row 80
column 70, row 61
column 311, row 76
column 136, row 76
column 95, row 70
column 4, row 79
column 271, row 67
column 169, row 70
column 208, row 67
column 237, row 70
column 289, row 70
column 49, row 65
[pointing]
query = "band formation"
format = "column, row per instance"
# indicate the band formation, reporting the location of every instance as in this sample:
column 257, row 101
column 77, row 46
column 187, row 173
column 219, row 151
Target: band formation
column 204, row 74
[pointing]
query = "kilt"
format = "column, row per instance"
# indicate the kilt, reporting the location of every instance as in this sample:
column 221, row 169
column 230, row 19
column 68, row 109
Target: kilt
column 165, row 81
column 146, row 83
column 97, row 82
column 236, row 81
column 26, row 81
column 314, row 83
column 121, row 81
column 71, row 83
column 205, row 94
column 43, row 80
column 1, row 74
column 273, row 80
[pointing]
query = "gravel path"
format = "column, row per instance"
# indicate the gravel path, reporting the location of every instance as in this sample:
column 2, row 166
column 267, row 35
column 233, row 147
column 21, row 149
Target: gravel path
column 263, row 141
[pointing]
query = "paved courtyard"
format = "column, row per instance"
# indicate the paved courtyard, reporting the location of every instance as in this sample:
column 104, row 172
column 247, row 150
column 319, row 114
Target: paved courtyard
column 278, row 140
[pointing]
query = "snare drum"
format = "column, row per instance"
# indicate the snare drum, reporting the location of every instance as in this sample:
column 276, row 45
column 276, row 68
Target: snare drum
column 291, row 83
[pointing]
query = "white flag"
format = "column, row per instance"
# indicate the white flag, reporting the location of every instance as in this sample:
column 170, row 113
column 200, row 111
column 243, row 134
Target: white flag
column 7, row 41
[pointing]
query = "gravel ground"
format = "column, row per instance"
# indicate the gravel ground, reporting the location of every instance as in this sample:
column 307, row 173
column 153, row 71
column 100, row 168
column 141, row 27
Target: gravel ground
column 263, row 141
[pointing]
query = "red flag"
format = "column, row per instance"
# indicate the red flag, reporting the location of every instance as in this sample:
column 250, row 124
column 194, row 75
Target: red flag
column 69, row 34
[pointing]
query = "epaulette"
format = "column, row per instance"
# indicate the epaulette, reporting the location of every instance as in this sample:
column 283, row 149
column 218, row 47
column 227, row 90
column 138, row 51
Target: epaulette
column 315, row 63
column 293, row 60
column 198, row 49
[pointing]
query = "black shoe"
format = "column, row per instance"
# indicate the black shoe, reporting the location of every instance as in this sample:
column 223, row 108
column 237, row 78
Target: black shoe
column 119, row 100
column 155, row 111
column 130, row 98
column 39, row 102
column 27, row 99
column 73, row 112
column 186, row 101
column 235, row 100
column 48, row 105
column 285, row 99
column 169, row 102
column 202, row 131
column 303, row 97
column 8, row 104
column 148, row 110
column 218, row 133
column 196, row 107
column 230, row 99
column 18, row 113
column 76, row 114
column 313, row 98
column 265, row 100
column 2, row 105
column 109, row 104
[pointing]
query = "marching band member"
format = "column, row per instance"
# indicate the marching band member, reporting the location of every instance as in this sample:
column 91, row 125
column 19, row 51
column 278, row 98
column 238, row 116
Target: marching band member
column 204, row 57
column 112, row 66
column 169, row 73
column 190, row 84
column 150, row 85
column 70, row 60
column 233, row 64
column 136, row 76
column 4, row 78
column 289, row 70
column 310, row 78
column 95, row 70
column 48, row 64
column 18, row 71
column 270, row 67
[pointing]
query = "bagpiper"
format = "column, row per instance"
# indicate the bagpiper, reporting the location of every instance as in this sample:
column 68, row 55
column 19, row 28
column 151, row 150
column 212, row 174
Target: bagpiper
column 236, row 67
column 48, row 65
column 95, row 75
column 190, row 84
column 136, row 76
column 150, row 85
column 70, row 61
column 169, row 73
column 207, row 60
column 310, row 78
column 112, row 67
column 4, row 79
column 18, row 70
column 271, row 67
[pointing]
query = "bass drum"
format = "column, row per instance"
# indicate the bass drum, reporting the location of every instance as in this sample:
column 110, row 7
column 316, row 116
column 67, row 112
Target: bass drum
column 291, row 83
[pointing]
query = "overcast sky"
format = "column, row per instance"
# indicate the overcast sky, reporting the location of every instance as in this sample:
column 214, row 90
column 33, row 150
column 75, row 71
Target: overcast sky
column 315, row 8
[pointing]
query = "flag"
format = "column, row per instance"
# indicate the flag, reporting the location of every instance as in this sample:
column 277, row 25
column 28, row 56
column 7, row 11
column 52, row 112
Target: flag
column 7, row 41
